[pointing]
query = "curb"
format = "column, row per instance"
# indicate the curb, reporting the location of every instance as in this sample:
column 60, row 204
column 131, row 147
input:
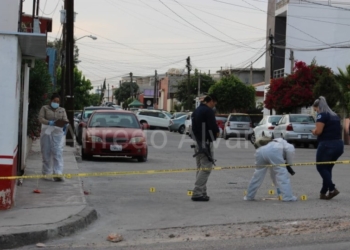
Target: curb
column 35, row 235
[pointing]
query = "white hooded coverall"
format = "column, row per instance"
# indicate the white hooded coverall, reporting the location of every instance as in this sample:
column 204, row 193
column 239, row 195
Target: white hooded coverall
column 276, row 152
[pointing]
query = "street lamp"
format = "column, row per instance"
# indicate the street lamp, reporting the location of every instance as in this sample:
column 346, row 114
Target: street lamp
column 91, row 36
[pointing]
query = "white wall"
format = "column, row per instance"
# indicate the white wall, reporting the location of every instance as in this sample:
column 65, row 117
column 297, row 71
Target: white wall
column 324, row 29
column 10, row 66
column 9, row 15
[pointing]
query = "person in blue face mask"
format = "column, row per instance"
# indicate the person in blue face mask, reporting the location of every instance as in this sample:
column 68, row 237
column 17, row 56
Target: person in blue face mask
column 51, row 137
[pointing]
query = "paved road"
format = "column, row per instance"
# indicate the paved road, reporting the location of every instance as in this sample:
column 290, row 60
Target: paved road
column 168, row 219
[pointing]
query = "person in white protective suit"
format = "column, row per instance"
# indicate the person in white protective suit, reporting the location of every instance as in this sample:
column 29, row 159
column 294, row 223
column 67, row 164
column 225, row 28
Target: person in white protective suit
column 51, row 137
column 272, row 152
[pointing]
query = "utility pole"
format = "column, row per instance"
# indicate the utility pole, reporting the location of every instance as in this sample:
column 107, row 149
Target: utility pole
column 155, row 89
column 221, row 73
column 112, row 93
column 251, row 73
column 108, row 92
column 272, row 53
column 131, row 90
column 199, row 84
column 291, row 58
column 69, row 91
column 189, row 67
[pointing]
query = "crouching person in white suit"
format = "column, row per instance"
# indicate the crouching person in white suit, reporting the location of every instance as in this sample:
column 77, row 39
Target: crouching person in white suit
column 272, row 152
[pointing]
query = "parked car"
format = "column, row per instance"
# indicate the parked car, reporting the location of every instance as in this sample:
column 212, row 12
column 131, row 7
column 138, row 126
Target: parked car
column 85, row 115
column 296, row 128
column 114, row 133
column 117, row 107
column 238, row 125
column 178, row 124
column 220, row 121
column 265, row 127
column 153, row 118
column 178, row 114
column 188, row 123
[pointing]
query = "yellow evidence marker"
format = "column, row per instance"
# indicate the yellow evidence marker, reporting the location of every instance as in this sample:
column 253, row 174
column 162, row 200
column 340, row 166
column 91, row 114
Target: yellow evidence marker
column 271, row 192
column 152, row 190
column 245, row 192
column 189, row 192
column 303, row 197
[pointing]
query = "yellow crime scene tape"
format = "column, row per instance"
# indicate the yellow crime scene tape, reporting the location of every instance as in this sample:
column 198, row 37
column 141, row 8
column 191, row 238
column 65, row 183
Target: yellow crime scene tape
column 162, row 171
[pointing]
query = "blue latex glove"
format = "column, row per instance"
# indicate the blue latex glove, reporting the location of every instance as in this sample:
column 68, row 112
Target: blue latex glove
column 51, row 123
column 65, row 130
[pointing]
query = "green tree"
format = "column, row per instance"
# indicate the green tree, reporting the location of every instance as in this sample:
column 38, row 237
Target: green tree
column 95, row 99
column 206, row 82
column 343, row 80
column 82, row 88
column 40, row 89
column 124, row 91
column 233, row 95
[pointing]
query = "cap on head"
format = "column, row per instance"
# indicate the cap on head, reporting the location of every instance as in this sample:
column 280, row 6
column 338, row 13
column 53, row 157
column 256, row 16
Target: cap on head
column 262, row 141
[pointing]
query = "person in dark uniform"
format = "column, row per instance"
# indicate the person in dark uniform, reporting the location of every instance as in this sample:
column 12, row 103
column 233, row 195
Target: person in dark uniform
column 204, row 132
column 330, row 145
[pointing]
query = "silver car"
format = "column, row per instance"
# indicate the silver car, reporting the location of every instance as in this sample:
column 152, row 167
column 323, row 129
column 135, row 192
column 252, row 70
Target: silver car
column 238, row 125
column 265, row 127
column 296, row 128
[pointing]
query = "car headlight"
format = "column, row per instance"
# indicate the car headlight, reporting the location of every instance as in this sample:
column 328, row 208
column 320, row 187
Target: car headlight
column 93, row 138
column 137, row 140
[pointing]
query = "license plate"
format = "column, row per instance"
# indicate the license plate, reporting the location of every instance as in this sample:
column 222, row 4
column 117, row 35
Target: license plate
column 239, row 125
column 304, row 136
column 116, row 148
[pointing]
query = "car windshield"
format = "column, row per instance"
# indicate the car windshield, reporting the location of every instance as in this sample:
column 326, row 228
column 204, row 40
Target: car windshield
column 168, row 114
column 218, row 118
column 302, row 119
column 87, row 113
column 177, row 115
column 239, row 118
column 114, row 120
column 275, row 119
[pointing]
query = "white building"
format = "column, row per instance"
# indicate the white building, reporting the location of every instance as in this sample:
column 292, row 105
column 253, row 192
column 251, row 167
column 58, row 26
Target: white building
column 14, row 84
column 305, row 30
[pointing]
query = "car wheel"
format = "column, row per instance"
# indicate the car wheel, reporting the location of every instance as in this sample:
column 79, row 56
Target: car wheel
column 142, row 158
column 306, row 145
column 252, row 138
column 182, row 129
column 225, row 136
column 85, row 156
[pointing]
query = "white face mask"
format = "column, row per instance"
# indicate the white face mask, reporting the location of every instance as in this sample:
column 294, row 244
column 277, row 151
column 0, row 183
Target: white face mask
column 54, row 105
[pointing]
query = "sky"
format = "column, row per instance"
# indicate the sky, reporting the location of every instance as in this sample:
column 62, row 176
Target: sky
column 141, row 36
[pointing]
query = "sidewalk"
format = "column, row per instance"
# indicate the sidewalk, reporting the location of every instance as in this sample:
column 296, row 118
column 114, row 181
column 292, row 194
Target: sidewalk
column 59, row 210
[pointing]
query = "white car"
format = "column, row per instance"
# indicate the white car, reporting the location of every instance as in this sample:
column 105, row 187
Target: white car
column 265, row 127
column 188, row 123
column 153, row 118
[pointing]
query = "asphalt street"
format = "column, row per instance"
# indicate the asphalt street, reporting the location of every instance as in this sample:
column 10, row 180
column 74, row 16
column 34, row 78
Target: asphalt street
column 168, row 219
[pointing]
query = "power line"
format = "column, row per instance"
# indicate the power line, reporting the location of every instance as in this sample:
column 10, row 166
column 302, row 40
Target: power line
column 195, row 26
column 286, row 23
column 211, row 25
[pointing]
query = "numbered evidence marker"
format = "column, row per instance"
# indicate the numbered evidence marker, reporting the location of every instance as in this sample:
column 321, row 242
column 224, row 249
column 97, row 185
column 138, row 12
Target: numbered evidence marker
column 152, row 190
column 271, row 192
column 189, row 192
column 303, row 197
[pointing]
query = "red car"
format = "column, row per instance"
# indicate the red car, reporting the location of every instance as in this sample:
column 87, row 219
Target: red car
column 114, row 133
